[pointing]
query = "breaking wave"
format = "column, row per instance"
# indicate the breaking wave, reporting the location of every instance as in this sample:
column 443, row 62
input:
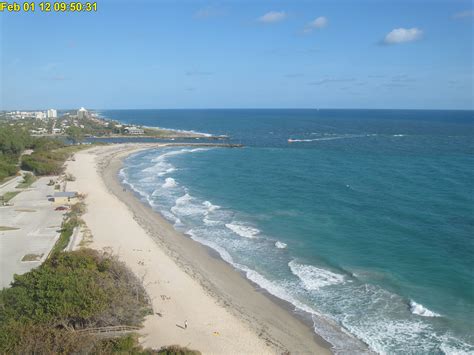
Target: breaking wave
column 313, row 278
column 243, row 230
column 169, row 183
column 420, row 310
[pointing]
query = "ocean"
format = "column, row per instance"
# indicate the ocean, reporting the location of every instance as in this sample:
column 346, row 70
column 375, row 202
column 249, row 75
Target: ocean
column 361, row 217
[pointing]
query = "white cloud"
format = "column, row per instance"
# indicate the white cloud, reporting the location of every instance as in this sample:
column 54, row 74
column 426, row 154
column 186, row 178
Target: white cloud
column 273, row 16
column 402, row 35
column 317, row 23
column 463, row 14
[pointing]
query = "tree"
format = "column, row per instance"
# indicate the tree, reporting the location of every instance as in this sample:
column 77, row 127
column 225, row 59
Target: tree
column 75, row 134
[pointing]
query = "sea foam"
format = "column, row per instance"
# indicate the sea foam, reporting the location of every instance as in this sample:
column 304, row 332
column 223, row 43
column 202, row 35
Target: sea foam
column 243, row 230
column 420, row 310
column 210, row 206
column 313, row 277
column 169, row 183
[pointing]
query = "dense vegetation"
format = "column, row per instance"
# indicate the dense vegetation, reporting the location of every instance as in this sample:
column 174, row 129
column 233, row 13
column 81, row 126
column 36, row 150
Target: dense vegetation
column 47, row 159
column 45, row 308
column 50, row 309
column 13, row 140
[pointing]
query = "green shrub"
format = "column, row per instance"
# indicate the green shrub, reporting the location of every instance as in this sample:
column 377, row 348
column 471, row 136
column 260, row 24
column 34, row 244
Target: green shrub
column 28, row 179
column 71, row 291
column 129, row 345
column 7, row 167
column 177, row 350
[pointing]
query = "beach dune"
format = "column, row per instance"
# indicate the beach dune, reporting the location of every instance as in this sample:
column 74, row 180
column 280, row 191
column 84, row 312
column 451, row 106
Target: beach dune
column 224, row 313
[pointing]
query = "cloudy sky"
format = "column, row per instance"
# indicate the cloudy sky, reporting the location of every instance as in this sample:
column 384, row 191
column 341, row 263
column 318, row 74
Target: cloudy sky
column 241, row 54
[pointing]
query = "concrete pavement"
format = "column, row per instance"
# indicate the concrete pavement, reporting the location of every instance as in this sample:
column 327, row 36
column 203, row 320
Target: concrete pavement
column 38, row 228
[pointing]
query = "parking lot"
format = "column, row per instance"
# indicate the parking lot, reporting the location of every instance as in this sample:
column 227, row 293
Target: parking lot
column 28, row 230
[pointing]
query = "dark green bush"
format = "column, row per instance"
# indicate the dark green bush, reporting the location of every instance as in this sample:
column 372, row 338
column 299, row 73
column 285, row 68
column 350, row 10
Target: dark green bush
column 69, row 292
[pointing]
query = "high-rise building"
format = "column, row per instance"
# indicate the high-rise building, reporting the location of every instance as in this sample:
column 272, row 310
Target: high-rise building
column 52, row 113
column 82, row 113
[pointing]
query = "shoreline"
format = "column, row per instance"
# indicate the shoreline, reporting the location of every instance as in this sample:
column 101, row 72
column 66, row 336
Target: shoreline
column 187, row 249
column 274, row 321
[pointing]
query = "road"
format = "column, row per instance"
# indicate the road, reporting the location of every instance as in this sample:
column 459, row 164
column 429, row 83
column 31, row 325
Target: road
column 10, row 185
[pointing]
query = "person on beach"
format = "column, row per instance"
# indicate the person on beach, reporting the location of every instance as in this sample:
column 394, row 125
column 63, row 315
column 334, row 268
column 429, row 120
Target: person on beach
column 185, row 324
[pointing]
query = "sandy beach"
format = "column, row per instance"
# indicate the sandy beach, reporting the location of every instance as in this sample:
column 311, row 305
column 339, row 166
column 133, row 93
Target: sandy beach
column 225, row 313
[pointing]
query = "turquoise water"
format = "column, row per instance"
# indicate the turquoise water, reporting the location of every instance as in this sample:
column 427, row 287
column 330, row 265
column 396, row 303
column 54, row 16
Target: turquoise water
column 364, row 218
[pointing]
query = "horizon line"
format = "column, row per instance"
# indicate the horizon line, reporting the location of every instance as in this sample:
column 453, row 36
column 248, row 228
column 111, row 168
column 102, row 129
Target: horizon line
column 249, row 108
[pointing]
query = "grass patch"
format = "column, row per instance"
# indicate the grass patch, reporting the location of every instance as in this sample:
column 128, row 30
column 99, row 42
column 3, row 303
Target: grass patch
column 73, row 220
column 32, row 257
column 28, row 179
column 5, row 229
column 8, row 196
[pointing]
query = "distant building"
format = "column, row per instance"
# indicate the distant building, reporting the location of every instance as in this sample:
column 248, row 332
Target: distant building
column 52, row 113
column 40, row 115
column 134, row 130
column 65, row 198
column 39, row 131
column 82, row 113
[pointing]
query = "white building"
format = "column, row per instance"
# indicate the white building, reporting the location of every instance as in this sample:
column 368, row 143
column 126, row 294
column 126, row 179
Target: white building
column 82, row 113
column 134, row 130
column 52, row 113
column 40, row 115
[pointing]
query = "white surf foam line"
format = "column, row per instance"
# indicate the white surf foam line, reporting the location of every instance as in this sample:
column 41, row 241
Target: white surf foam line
column 343, row 342
column 182, row 131
column 187, row 205
column 325, row 138
column 272, row 287
column 171, row 217
column 169, row 183
column 210, row 206
column 313, row 278
column 454, row 346
column 210, row 222
column 132, row 186
column 281, row 245
column 420, row 310
column 163, row 167
column 243, row 230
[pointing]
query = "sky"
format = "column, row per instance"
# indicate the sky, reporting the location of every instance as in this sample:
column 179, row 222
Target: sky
column 381, row 54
